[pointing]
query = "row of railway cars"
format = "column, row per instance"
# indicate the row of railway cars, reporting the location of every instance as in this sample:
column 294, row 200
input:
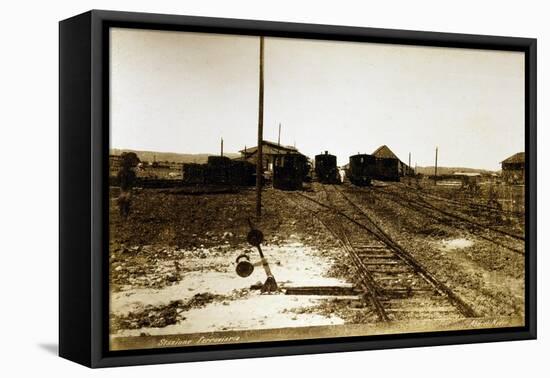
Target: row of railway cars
column 362, row 169
column 290, row 171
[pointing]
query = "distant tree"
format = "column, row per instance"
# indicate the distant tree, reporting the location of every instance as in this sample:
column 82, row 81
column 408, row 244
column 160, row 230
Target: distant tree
column 126, row 174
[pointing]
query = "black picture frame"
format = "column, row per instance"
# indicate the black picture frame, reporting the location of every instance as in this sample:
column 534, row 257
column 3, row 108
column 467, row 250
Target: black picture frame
column 83, row 182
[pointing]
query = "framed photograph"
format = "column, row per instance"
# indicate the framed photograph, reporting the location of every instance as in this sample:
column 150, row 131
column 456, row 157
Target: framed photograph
column 235, row 188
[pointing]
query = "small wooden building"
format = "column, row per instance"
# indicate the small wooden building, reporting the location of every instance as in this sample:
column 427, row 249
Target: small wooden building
column 270, row 151
column 513, row 169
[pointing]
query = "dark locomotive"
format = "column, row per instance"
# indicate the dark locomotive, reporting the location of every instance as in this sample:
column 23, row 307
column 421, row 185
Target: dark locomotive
column 220, row 170
column 326, row 170
column 290, row 171
column 362, row 169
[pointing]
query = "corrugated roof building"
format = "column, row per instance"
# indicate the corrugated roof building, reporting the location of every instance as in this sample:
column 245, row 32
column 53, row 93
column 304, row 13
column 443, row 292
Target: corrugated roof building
column 269, row 151
column 513, row 169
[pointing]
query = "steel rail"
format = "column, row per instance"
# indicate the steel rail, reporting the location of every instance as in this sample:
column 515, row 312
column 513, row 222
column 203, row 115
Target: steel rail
column 421, row 208
column 462, row 218
column 371, row 289
column 381, row 235
column 472, row 205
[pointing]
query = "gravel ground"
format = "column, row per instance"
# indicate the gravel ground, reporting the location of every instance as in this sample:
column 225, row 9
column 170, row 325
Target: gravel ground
column 169, row 237
column 162, row 227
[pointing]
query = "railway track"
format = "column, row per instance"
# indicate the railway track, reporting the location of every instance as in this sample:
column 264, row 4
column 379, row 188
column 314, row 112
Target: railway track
column 486, row 232
column 469, row 205
column 420, row 198
column 395, row 284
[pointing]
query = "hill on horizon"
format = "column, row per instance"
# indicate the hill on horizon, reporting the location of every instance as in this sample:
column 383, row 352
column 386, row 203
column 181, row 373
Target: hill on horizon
column 430, row 170
column 170, row 156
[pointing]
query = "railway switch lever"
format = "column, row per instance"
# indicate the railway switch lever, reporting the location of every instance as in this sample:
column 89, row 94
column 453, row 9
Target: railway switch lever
column 245, row 268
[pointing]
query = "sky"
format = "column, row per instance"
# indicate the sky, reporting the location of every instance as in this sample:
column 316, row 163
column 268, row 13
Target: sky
column 182, row 92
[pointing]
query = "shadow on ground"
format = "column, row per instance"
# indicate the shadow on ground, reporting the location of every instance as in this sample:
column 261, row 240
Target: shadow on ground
column 51, row 348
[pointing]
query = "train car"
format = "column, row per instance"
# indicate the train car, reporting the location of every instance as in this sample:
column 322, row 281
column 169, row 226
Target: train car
column 193, row 174
column 243, row 173
column 290, row 171
column 219, row 170
column 362, row 169
column 387, row 169
column 326, row 169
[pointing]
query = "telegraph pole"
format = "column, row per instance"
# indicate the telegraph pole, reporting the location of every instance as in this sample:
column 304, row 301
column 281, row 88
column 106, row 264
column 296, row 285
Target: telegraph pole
column 259, row 161
column 435, row 176
column 279, row 138
column 222, row 148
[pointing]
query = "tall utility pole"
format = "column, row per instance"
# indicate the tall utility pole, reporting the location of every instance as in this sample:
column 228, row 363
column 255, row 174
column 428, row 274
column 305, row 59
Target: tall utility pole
column 435, row 176
column 221, row 152
column 408, row 172
column 279, row 138
column 259, row 161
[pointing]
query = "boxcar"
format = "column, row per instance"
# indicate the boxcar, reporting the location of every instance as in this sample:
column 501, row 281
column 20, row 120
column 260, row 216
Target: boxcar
column 219, row 170
column 289, row 171
column 243, row 173
column 193, row 174
column 326, row 169
column 362, row 168
column 387, row 169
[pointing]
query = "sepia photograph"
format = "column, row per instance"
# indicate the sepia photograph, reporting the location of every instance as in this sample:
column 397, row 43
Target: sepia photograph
column 271, row 189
